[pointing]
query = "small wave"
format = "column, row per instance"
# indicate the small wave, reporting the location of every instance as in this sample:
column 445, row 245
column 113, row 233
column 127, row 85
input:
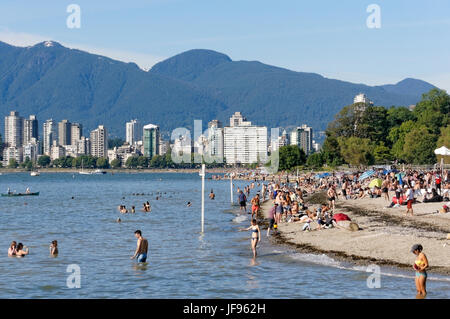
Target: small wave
column 240, row 219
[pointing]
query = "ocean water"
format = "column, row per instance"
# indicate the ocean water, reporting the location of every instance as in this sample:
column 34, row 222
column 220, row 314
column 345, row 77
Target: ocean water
column 182, row 262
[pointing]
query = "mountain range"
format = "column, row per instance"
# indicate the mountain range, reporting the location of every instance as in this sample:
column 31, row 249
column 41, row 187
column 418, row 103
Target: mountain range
column 52, row 81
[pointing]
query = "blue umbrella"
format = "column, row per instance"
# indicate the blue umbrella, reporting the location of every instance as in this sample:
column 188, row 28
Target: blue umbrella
column 366, row 175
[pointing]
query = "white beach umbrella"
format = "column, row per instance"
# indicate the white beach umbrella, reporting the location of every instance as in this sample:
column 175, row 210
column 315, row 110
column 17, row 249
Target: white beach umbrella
column 442, row 151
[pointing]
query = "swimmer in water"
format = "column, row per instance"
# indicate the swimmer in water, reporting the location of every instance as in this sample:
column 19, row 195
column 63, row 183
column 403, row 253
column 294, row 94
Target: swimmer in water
column 420, row 266
column 212, row 195
column 256, row 236
column 54, row 248
column 189, row 204
column 21, row 250
column 12, row 249
column 118, row 220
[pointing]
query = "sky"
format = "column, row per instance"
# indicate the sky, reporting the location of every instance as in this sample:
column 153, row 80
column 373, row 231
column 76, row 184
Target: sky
column 329, row 37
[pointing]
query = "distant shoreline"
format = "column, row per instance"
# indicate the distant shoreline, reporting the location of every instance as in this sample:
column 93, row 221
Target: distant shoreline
column 110, row 170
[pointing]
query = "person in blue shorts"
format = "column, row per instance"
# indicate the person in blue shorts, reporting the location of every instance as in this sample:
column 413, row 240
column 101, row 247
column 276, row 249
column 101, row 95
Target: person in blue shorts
column 142, row 247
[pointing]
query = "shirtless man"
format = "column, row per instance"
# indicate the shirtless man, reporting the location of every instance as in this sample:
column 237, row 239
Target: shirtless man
column 142, row 247
column 255, row 206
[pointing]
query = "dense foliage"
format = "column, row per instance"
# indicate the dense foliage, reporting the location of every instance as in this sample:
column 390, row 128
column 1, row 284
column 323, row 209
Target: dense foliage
column 375, row 135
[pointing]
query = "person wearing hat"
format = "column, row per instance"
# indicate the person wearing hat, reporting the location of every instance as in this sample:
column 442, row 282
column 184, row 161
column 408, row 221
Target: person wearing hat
column 420, row 266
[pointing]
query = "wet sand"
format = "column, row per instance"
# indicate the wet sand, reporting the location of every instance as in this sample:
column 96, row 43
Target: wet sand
column 385, row 236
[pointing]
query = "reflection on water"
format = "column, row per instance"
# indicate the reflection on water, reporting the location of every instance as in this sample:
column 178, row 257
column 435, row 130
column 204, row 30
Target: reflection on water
column 182, row 262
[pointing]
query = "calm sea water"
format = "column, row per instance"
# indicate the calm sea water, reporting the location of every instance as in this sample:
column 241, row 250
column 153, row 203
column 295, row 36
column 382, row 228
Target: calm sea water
column 182, row 263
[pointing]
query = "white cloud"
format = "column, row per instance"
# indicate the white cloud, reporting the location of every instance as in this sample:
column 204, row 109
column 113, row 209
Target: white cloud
column 143, row 60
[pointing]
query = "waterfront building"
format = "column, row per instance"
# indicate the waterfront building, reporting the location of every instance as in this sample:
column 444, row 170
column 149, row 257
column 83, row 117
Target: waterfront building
column 50, row 135
column 99, row 142
column 244, row 143
column 215, row 141
column 64, row 133
column 302, row 137
column 76, row 132
column 13, row 130
column 31, row 150
column 151, row 137
column 12, row 152
column 30, row 130
column 57, row 151
column 84, row 146
column 133, row 132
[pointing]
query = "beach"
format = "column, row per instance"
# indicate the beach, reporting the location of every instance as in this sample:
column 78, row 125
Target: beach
column 385, row 236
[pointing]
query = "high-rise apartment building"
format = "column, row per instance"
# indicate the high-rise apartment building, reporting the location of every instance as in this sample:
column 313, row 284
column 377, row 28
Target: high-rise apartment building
column 151, row 138
column 30, row 130
column 50, row 135
column 13, row 130
column 64, row 132
column 302, row 136
column 76, row 131
column 99, row 142
column 215, row 141
column 244, row 143
column 133, row 132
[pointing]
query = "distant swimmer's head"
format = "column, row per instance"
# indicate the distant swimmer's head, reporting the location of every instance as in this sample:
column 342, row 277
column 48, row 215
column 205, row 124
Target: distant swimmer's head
column 416, row 249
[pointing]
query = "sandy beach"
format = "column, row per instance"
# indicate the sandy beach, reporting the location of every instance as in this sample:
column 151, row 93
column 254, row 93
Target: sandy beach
column 385, row 236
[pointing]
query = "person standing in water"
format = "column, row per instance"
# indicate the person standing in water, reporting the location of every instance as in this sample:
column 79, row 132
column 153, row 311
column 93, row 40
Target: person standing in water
column 141, row 249
column 242, row 202
column 21, row 252
column 54, row 248
column 212, row 195
column 256, row 236
column 12, row 249
column 420, row 266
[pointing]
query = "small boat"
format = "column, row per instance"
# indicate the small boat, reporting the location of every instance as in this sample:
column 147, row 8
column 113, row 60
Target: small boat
column 20, row 194
column 98, row 172
column 35, row 173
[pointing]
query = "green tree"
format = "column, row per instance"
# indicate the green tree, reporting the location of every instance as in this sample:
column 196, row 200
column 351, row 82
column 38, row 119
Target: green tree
column 331, row 151
column 419, row 146
column 382, row 153
column 315, row 160
column 44, row 161
column 396, row 138
column 115, row 163
column 12, row 163
column 291, row 156
column 397, row 115
column 102, row 162
column 132, row 162
column 115, row 142
column 143, row 161
column 444, row 140
column 357, row 151
column 433, row 110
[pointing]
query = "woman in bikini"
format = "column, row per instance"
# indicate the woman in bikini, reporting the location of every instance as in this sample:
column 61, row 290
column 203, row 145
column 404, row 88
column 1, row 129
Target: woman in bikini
column 256, row 236
column 420, row 266
column 21, row 252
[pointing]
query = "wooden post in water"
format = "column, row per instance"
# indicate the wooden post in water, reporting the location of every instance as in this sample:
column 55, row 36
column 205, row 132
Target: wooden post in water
column 231, row 189
column 202, row 174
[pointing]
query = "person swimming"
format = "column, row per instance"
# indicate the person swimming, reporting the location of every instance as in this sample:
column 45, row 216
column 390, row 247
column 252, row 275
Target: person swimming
column 12, row 249
column 21, row 250
column 54, row 248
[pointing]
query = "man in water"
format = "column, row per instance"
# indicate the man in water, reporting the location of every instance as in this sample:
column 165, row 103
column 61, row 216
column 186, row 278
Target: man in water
column 142, row 247
column 243, row 202
column 212, row 195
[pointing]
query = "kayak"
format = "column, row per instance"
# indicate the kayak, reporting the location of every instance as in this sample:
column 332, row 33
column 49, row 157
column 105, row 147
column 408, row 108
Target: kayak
column 20, row 194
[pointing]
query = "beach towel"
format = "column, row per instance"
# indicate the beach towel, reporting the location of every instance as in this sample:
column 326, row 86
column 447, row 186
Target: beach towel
column 341, row 217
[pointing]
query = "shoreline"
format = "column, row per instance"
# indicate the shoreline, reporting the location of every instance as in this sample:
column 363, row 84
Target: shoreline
column 384, row 238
